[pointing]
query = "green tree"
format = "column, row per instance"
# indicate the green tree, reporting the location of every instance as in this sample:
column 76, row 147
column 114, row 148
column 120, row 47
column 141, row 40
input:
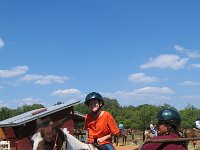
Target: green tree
column 189, row 115
column 5, row 113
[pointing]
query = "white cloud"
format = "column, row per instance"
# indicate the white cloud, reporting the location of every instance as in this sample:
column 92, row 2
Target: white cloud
column 166, row 61
column 44, row 79
column 195, row 65
column 31, row 77
column 194, row 54
column 1, row 43
column 15, row 71
column 1, row 87
column 141, row 77
column 28, row 101
column 146, row 94
column 20, row 102
column 154, row 90
column 65, row 92
column 188, row 83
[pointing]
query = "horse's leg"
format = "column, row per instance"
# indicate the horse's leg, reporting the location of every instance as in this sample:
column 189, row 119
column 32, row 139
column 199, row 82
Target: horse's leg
column 114, row 138
column 143, row 135
column 194, row 143
column 117, row 140
column 125, row 139
column 133, row 136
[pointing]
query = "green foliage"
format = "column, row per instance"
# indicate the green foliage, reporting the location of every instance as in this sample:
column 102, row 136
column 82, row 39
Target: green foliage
column 189, row 116
column 82, row 108
column 58, row 103
column 140, row 117
column 132, row 117
column 6, row 113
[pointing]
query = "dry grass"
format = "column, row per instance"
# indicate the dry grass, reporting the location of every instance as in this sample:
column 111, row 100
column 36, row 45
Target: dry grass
column 191, row 147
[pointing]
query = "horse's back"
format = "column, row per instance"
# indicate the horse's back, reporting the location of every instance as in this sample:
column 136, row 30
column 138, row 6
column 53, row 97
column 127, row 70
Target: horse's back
column 191, row 132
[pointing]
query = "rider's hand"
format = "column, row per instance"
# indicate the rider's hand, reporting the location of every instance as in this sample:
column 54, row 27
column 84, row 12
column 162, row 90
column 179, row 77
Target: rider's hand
column 100, row 139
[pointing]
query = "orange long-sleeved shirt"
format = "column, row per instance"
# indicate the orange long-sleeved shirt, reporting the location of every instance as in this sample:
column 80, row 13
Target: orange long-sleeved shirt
column 100, row 127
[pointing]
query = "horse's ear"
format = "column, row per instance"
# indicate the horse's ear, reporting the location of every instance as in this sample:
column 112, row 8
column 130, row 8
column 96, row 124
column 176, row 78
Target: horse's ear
column 59, row 123
column 38, row 122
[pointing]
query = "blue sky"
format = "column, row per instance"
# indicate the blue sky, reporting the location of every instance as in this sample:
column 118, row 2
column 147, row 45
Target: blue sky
column 138, row 52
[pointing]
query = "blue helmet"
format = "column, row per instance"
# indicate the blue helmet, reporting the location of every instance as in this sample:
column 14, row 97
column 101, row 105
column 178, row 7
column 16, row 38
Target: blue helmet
column 169, row 116
column 93, row 95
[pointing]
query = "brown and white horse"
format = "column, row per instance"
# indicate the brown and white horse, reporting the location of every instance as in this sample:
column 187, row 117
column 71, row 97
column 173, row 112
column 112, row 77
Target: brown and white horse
column 191, row 133
column 148, row 135
column 50, row 137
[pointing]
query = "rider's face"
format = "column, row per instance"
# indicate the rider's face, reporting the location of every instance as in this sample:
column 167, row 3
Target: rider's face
column 162, row 128
column 94, row 105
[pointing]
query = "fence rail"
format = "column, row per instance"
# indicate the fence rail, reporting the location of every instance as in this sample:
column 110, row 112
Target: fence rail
column 172, row 140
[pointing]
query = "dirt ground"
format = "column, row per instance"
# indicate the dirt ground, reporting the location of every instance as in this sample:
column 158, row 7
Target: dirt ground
column 191, row 146
column 126, row 147
column 130, row 144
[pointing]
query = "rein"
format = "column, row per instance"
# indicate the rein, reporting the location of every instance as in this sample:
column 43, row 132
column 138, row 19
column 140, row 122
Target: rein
column 55, row 145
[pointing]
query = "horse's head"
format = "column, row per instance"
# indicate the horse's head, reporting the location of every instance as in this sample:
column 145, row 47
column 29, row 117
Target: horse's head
column 47, row 129
column 50, row 134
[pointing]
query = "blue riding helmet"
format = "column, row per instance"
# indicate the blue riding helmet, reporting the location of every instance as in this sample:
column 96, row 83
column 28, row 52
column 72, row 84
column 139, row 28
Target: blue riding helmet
column 93, row 95
column 169, row 116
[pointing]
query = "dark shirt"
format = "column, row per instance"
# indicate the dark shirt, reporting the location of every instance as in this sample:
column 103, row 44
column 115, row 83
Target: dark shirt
column 164, row 146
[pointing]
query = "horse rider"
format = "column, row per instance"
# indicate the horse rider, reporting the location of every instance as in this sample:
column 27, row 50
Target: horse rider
column 100, row 124
column 152, row 128
column 121, row 129
column 197, row 123
column 121, row 126
column 168, row 124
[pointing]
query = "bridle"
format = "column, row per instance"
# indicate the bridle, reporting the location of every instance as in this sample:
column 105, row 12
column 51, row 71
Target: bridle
column 55, row 142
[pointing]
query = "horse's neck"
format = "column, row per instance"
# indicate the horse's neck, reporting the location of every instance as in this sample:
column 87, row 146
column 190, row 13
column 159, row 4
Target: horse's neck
column 73, row 143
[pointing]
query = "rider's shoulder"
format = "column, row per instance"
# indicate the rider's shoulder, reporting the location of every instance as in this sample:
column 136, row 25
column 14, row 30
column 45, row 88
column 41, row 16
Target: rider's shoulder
column 106, row 113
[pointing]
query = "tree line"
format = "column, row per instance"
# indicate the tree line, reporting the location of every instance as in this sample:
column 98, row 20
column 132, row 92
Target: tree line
column 139, row 117
column 132, row 117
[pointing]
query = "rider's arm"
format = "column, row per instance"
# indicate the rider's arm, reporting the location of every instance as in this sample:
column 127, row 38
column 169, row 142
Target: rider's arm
column 111, row 124
column 104, row 138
